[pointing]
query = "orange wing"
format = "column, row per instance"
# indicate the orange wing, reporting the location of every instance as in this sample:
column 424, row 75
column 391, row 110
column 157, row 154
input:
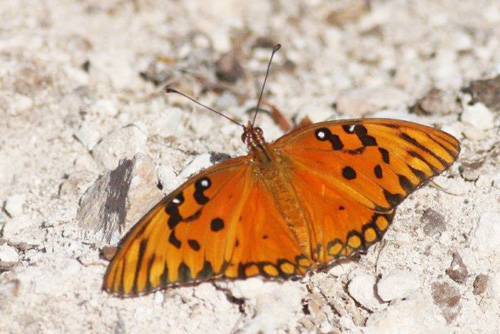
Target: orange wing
column 220, row 223
column 350, row 176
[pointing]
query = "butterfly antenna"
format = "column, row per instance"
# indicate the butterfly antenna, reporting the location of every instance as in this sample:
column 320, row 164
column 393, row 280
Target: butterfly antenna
column 169, row 90
column 275, row 49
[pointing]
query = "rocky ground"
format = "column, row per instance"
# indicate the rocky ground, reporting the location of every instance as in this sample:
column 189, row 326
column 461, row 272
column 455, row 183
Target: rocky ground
column 81, row 88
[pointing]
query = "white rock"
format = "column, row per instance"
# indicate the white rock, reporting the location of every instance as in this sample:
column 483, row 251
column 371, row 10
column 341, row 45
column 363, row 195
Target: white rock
column 413, row 316
column 88, row 135
column 122, row 143
column 444, row 71
column 226, row 101
column 496, row 181
column 168, row 179
column 55, row 282
column 455, row 129
column 105, row 107
column 159, row 297
column 77, row 75
column 486, row 237
column 19, row 104
column 494, row 286
column 397, row 285
column 119, row 198
column 200, row 162
column 8, row 256
column 275, row 304
column 248, row 289
column 14, row 228
column 359, row 102
column 203, row 123
column 14, row 205
column 477, row 118
column 169, row 125
column 116, row 68
column 362, row 289
column 340, row 269
column 143, row 192
column 394, row 114
column 206, row 291
column 315, row 112
column 73, row 103
column 85, row 162
column 326, row 327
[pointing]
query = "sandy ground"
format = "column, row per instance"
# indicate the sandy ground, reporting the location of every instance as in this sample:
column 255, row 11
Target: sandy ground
column 81, row 88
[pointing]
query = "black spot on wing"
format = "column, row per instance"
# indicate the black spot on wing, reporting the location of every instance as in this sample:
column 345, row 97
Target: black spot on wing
column 150, row 264
column 385, row 154
column 195, row 245
column 140, row 256
column 406, row 183
column 348, row 173
column 378, row 172
column 319, row 248
column 184, row 273
column 348, row 128
column 164, row 277
column 200, row 186
column 357, row 151
column 364, row 137
column 393, row 199
column 206, row 272
column 418, row 173
column 172, row 209
column 193, row 217
column 241, row 270
column 217, row 225
column 172, row 239
column 324, row 134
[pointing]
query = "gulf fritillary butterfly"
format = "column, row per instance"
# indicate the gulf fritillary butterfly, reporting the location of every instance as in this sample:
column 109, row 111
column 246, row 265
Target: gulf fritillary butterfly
column 316, row 195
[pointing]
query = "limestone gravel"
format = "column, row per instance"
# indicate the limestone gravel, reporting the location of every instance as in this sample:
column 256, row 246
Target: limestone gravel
column 81, row 88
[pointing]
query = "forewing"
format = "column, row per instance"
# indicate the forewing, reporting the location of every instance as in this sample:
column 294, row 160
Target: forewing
column 220, row 223
column 187, row 237
column 350, row 175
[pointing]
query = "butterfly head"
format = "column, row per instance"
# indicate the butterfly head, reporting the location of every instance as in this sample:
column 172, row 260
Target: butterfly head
column 253, row 137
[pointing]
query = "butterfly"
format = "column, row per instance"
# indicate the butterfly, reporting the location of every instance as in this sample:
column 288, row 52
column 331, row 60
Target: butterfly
column 316, row 195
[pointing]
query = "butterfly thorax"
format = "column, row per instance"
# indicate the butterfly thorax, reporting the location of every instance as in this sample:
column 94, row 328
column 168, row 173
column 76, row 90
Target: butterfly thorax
column 253, row 137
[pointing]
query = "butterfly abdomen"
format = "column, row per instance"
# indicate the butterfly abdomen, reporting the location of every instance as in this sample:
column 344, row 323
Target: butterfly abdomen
column 276, row 179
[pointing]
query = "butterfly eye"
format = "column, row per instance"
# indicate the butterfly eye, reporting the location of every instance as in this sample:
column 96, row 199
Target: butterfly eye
column 244, row 137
